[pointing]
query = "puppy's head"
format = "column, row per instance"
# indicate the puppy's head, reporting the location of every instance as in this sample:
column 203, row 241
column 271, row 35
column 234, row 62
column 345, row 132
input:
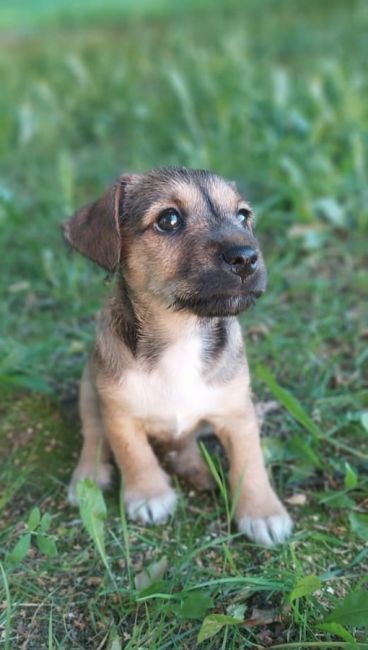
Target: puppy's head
column 184, row 236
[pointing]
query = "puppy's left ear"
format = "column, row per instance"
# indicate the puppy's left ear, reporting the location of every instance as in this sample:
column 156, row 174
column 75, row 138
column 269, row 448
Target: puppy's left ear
column 94, row 230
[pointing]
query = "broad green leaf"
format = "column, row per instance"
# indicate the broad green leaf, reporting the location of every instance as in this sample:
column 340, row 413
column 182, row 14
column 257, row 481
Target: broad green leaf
column 289, row 402
column 46, row 545
column 359, row 525
column 159, row 587
column 20, row 550
column 351, row 478
column 150, row 575
column 93, row 513
column 337, row 630
column 353, row 610
column 34, row 519
column 336, row 500
column 209, row 628
column 194, row 605
column 213, row 623
column 305, row 586
column 45, row 523
column 225, row 619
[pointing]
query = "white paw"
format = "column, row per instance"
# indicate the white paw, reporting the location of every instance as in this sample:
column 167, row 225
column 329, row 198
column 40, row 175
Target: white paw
column 100, row 475
column 150, row 510
column 268, row 531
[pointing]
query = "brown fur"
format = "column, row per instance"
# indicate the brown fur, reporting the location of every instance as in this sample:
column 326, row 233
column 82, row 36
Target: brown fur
column 169, row 354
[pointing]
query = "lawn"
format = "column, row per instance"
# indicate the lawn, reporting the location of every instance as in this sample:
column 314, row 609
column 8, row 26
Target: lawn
column 270, row 94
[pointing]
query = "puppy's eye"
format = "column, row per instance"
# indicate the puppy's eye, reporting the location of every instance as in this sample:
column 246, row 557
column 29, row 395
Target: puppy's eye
column 243, row 216
column 168, row 221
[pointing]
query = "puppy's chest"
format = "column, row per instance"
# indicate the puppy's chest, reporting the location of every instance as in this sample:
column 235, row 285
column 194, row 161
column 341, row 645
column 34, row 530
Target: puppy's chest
column 173, row 396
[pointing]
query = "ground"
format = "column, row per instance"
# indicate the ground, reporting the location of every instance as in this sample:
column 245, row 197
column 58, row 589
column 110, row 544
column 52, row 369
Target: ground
column 272, row 95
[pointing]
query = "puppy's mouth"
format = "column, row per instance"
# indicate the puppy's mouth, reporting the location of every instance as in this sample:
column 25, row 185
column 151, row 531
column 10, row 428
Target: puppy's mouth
column 217, row 304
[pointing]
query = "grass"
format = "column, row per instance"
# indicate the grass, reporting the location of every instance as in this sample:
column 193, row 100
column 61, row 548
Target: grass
column 274, row 96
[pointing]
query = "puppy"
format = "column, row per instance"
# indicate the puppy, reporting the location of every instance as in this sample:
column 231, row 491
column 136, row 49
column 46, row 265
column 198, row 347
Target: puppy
column 169, row 354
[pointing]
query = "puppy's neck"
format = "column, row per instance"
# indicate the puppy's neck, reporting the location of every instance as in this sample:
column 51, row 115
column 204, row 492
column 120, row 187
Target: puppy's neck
column 148, row 326
column 144, row 318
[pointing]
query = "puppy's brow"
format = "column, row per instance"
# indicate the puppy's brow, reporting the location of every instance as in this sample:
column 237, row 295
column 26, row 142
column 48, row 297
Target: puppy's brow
column 222, row 197
column 209, row 202
column 184, row 197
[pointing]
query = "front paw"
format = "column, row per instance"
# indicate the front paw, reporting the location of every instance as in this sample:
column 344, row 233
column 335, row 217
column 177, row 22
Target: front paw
column 150, row 509
column 263, row 518
column 269, row 531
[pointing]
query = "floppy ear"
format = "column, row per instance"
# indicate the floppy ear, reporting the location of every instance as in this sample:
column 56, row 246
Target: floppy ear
column 94, row 230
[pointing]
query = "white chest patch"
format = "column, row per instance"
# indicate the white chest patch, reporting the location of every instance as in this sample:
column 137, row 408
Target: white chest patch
column 173, row 396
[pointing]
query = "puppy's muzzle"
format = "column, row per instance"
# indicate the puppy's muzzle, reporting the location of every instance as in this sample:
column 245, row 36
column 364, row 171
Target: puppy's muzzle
column 241, row 260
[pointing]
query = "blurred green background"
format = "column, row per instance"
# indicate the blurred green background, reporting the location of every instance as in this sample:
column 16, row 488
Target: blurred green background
column 272, row 94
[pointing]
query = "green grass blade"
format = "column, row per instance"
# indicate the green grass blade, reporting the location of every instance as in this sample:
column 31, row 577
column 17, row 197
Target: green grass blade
column 8, row 609
column 289, row 402
column 125, row 531
column 50, row 641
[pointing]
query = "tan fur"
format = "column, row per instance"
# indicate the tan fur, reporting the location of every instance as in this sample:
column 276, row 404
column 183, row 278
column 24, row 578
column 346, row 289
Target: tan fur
column 130, row 396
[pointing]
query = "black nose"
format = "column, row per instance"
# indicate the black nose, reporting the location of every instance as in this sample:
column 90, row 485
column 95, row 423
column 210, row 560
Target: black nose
column 242, row 259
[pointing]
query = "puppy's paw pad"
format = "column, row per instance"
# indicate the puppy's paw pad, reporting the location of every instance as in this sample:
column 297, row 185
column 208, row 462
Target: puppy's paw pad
column 268, row 531
column 101, row 475
column 150, row 510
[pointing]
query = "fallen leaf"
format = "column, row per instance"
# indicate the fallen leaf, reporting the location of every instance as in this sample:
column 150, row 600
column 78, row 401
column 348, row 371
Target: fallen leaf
column 262, row 617
column 297, row 500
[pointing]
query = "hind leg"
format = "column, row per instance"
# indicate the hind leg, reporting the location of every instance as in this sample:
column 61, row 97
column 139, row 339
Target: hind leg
column 95, row 455
column 185, row 459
